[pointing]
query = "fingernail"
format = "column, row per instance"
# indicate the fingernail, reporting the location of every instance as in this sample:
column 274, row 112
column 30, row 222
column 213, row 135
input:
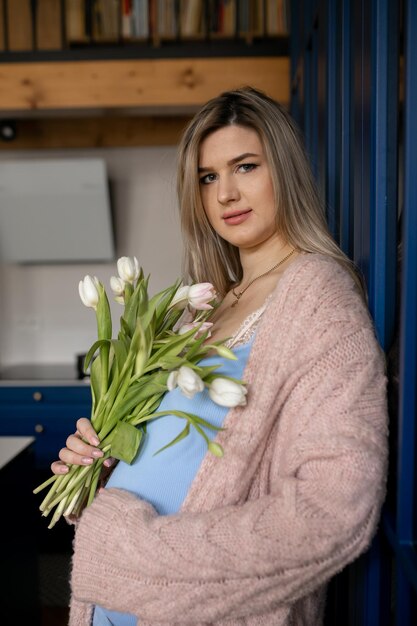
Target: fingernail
column 97, row 453
column 108, row 462
column 86, row 460
column 95, row 441
column 63, row 469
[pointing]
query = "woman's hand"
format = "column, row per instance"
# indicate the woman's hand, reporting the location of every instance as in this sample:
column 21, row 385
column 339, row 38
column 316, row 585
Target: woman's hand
column 77, row 451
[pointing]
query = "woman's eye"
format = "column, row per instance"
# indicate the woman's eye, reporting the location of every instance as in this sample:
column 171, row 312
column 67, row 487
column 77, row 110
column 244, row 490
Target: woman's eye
column 246, row 167
column 207, row 179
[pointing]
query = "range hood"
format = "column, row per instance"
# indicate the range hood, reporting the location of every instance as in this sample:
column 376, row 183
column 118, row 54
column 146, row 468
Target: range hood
column 55, row 211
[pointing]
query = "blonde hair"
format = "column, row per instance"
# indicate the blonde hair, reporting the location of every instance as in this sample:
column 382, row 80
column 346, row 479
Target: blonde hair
column 300, row 215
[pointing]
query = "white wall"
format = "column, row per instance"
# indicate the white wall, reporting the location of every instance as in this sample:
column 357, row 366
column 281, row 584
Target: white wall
column 42, row 319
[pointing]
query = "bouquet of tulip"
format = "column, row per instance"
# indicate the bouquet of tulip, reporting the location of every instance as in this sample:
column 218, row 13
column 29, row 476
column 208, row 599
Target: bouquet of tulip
column 159, row 346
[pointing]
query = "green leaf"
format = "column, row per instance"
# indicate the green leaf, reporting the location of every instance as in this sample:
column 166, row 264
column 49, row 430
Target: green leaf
column 96, row 345
column 183, row 434
column 134, row 397
column 205, row 370
column 195, row 347
column 164, row 299
column 209, row 379
column 223, row 351
column 168, row 363
column 120, row 352
column 95, row 380
column 104, row 324
column 124, row 329
column 173, row 347
column 195, row 419
column 138, row 337
column 125, row 442
column 143, row 301
column 131, row 310
column 128, row 293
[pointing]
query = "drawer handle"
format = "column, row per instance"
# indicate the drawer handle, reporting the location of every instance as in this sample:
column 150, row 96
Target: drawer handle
column 39, row 428
column 37, row 396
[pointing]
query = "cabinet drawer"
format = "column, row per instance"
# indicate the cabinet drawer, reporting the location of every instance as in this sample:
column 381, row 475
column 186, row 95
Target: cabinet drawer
column 47, row 413
column 39, row 393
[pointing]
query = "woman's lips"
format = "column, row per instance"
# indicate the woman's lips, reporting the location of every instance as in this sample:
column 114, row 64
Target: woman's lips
column 237, row 217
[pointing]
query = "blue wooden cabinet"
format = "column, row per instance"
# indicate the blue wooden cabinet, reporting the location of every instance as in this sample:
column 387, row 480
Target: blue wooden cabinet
column 46, row 412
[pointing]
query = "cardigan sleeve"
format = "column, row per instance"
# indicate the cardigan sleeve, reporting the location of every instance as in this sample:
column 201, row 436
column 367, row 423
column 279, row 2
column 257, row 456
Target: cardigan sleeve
column 248, row 559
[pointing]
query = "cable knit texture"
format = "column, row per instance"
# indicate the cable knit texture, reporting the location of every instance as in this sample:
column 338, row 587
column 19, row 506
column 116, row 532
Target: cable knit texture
column 295, row 498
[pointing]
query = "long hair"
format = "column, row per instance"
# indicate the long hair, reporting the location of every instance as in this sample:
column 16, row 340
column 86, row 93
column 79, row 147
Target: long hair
column 299, row 212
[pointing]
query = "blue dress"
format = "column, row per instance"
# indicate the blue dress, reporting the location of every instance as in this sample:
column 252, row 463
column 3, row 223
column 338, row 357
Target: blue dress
column 165, row 479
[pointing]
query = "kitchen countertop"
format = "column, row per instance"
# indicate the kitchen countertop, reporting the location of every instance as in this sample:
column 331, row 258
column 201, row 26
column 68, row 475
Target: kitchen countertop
column 29, row 375
column 10, row 447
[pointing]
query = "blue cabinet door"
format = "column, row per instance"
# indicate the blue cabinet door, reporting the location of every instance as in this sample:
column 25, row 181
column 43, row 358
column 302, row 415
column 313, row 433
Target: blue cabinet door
column 47, row 413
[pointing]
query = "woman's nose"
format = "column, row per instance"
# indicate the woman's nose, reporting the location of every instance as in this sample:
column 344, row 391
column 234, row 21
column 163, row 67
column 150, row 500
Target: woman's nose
column 227, row 190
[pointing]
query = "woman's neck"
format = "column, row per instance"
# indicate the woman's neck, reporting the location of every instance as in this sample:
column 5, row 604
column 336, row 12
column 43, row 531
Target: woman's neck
column 256, row 261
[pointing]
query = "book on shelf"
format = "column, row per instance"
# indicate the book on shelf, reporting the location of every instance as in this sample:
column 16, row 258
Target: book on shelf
column 48, row 25
column 105, row 20
column 192, row 22
column 76, row 28
column 135, row 17
column 42, row 26
column 277, row 17
column 126, row 11
column 251, row 20
column 140, row 19
column 2, row 28
column 167, row 26
column 221, row 18
column 258, row 18
column 19, row 25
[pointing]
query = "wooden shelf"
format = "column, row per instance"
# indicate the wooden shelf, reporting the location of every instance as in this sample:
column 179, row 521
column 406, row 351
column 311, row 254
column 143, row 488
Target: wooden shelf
column 163, row 84
column 125, row 91
column 108, row 131
column 123, row 102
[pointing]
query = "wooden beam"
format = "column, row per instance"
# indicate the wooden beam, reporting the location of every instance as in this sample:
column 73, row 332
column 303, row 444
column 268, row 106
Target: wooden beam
column 95, row 132
column 120, row 84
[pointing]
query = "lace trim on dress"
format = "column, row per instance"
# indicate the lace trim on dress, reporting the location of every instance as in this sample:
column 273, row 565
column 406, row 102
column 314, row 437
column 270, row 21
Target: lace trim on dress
column 248, row 327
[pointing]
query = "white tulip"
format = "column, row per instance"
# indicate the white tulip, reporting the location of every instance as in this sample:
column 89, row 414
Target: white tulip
column 201, row 328
column 187, row 380
column 88, row 290
column 227, row 393
column 117, row 285
column 172, row 380
column 118, row 288
column 200, row 295
column 186, row 317
column 128, row 269
column 180, row 300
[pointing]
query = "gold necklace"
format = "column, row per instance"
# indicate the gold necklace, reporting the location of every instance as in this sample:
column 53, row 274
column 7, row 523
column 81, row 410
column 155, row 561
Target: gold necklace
column 240, row 293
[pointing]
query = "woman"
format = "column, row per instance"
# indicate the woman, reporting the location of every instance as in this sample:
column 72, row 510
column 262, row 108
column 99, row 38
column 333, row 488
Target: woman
column 254, row 537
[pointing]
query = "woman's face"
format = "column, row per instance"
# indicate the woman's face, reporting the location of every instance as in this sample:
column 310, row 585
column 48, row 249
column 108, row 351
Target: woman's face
column 236, row 186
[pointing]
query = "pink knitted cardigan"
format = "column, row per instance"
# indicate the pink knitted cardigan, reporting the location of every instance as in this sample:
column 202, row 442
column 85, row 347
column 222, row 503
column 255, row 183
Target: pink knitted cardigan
column 295, row 498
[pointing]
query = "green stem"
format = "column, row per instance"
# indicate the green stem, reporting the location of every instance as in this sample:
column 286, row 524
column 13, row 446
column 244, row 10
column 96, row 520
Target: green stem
column 50, row 480
column 74, row 501
column 56, row 516
column 77, row 480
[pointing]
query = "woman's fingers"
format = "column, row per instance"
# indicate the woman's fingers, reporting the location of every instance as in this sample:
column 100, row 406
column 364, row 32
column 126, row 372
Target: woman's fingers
column 86, row 431
column 81, row 448
column 58, row 467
